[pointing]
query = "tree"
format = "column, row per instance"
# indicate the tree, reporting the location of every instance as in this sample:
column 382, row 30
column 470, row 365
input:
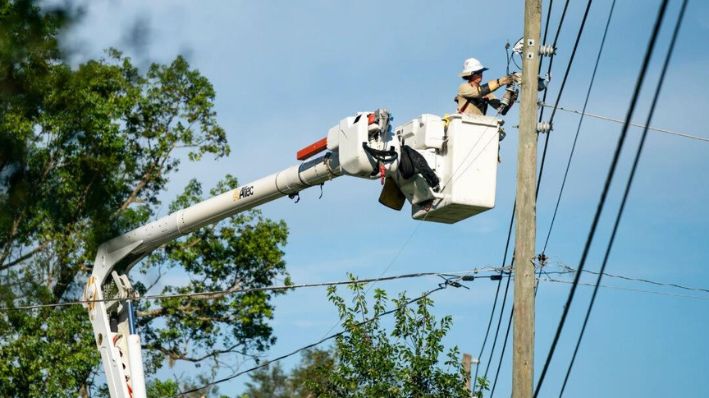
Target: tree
column 370, row 361
column 273, row 382
column 85, row 154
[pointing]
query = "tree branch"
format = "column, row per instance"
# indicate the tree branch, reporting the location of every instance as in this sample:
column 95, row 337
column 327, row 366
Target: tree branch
column 24, row 256
column 175, row 356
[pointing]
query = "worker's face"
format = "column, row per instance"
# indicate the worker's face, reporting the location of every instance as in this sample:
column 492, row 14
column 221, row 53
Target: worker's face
column 476, row 78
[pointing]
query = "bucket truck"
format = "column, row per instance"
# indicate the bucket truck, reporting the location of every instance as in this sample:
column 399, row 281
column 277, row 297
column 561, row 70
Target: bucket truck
column 445, row 167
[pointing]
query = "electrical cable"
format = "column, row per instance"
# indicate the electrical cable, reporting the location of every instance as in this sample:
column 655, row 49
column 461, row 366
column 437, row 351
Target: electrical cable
column 330, row 337
column 418, row 225
column 502, row 353
column 494, row 304
column 625, row 193
column 630, row 289
column 219, row 293
column 696, row 289
column 551, row 60
column 666, row 131
column 507, row 334
column 578, row 127
column 601, row 203
column 561, row 91
column 499, row 322
column 567, row 269
column 546, row 29
column 556, row 38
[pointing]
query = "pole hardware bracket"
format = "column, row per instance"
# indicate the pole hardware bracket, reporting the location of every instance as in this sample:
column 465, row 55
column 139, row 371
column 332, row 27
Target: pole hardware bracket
column 547, row 50
column 544, row 127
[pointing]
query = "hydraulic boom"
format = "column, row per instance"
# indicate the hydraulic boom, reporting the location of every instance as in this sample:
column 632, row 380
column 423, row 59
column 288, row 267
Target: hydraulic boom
column 446, row 169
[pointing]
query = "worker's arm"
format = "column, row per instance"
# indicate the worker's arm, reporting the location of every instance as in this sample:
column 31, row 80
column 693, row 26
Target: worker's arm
column 466, row 90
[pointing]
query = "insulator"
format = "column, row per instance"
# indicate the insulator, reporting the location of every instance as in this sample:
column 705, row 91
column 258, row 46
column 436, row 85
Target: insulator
column 544, row 127
column 547, row 50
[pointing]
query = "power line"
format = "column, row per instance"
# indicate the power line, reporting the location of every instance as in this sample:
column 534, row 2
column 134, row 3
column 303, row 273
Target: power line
column 578, row 128
column 507, row 331
column 504, row 300
column 546, row 27
column 610, row 119
column 410, row 237
column 625, row 193
column 330, row 337
column 541, row 113
column 643, row 280
column 494, row 304
column 219, row 293
column 629, row 289
column 601, row 203
column 509, row 232
column 499, row 322
column 561, row 91
column 504, row 346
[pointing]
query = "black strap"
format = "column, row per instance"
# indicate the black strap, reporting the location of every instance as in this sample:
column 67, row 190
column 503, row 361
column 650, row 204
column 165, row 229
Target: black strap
column 382, row 156
column 413, row 162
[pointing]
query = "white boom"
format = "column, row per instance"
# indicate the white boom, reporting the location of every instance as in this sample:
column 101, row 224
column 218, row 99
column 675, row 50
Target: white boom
column 445, row 168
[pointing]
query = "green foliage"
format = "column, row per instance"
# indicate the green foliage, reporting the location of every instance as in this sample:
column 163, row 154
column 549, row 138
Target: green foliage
column 272, row 382
column 483, row 385
column 84, row 155
column 370, row 361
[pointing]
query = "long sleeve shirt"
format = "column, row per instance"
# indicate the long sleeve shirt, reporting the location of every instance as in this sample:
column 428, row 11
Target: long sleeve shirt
column 476, row 98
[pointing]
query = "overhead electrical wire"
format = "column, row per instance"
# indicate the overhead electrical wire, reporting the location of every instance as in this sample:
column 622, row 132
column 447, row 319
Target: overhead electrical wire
column 492, row 312
column 494, row 304
column 499, row 322
column 578, row 127
column 324, row 339
column 629, row 289
column 601, row 203
column 418, row 225
column 561, row 91
column 541, row 113
column 628, row 185
column 567, row 270
column 219, row 293
column 596, row 116
column 643, row 280
column 549, row 67
column 546, row 28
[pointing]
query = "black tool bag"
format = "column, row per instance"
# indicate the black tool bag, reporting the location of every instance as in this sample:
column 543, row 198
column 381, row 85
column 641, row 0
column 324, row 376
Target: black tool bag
column 413, row 162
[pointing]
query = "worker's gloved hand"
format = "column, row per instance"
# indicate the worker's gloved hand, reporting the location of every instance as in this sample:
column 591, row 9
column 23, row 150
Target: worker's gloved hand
column 506, row 80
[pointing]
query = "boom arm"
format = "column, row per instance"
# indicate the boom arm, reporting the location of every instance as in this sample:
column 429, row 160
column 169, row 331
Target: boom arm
column 362, row 146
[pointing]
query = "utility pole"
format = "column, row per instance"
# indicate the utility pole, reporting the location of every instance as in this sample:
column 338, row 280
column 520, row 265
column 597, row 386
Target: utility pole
column 467, row 362
column 525, row 232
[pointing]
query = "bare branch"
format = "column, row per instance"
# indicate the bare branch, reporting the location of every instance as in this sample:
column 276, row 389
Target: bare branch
column 24, row 257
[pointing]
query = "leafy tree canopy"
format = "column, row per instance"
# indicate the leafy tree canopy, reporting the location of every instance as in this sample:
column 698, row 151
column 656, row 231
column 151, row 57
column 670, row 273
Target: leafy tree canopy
column 84, row 155
column 370, row 360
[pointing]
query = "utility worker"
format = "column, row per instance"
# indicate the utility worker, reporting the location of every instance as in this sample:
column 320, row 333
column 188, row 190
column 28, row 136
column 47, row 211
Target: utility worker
column 473, row 97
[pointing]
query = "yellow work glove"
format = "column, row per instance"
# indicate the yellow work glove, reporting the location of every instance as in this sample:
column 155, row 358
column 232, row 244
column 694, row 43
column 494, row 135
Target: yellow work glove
column 497, row 83
column 505, row 80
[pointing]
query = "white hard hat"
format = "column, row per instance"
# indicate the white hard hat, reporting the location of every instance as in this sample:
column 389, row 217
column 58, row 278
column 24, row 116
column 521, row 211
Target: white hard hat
column 470, row 66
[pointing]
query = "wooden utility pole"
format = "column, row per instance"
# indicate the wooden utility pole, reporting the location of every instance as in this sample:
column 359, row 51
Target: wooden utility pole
column 525, row 232
column 467, row 361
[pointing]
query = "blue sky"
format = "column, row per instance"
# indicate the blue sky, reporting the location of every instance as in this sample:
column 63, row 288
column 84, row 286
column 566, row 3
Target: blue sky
column 285, row 72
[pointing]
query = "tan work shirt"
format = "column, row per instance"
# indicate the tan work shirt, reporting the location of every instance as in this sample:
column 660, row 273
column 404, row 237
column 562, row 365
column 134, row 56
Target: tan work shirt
column 475, row 96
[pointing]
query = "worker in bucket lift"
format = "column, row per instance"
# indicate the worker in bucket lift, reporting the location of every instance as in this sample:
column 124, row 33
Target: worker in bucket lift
column 473, row 97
